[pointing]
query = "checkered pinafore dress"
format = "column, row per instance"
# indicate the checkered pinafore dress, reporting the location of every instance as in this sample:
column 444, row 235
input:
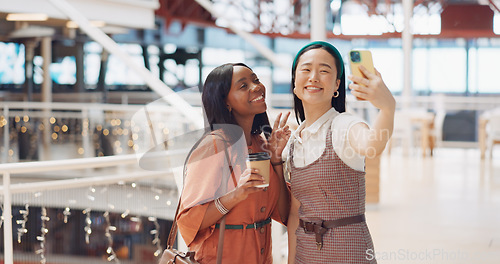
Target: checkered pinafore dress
column 328, row 189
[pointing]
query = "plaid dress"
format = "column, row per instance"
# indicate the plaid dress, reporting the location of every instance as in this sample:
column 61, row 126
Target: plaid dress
column 328, row 189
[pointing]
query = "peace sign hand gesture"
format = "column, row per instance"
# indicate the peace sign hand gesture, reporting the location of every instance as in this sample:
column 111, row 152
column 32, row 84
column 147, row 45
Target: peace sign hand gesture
column 279, row 137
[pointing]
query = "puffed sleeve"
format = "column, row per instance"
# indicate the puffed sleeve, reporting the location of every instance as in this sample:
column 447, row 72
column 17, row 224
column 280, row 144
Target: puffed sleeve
column 341, row 126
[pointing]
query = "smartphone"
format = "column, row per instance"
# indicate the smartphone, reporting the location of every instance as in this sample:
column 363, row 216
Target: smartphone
column 360, row 57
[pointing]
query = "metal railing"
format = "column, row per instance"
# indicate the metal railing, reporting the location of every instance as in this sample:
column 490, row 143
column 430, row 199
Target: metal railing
column 124, row 167
column 8, row 189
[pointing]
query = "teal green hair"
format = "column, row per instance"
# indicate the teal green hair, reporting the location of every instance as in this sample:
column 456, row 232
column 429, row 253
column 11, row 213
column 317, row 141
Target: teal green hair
column 326, row 45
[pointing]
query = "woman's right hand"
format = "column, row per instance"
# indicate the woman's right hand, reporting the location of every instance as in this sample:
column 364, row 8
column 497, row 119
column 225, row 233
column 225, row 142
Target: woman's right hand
column 372, row 88
column 250, row 178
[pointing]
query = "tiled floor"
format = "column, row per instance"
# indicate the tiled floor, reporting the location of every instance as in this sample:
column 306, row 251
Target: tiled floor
column 444, row 209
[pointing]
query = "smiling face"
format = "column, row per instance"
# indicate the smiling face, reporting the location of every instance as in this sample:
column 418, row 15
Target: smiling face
column 247, row 95
column 316, row 77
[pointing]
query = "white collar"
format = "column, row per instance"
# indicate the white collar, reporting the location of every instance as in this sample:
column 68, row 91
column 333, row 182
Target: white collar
column 312, row 129
column 322, row 120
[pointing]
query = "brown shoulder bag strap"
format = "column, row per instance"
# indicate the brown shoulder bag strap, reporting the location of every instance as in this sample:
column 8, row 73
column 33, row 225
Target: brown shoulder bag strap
column 173, row 229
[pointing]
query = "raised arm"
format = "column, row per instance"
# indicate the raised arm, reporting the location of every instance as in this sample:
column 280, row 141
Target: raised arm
column 372, row 141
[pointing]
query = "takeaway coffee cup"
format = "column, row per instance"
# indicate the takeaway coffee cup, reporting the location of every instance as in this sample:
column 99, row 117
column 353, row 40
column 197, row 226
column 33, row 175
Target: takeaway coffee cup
column 262, row 162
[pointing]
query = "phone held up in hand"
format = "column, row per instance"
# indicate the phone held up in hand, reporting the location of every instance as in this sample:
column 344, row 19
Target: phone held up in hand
column 358, row 58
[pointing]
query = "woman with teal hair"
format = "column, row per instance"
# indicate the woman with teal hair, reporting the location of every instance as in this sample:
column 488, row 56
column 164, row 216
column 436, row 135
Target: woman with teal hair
column 325, row 158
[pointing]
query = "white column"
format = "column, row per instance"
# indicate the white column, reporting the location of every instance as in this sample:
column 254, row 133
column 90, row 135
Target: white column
column 279, row 242
column 7, row 221
column 407, row 66
column 6, row 143
column 46, row 50
column 407, row 37
column 87, row 130
column 47, row 59
column 318, row 20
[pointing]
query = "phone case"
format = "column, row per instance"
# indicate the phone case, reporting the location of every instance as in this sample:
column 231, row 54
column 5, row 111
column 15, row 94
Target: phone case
column 360, row 57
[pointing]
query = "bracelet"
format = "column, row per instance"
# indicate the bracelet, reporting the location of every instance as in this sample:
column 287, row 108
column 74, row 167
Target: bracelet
column 220, row 207
column 277, row 163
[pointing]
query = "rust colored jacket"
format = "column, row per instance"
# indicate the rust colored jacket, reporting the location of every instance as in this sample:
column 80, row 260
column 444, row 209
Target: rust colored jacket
column 203, row 178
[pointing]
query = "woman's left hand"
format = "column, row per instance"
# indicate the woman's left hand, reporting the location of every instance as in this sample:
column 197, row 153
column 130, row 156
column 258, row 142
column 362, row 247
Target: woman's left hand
column 372, row 88
column 279, row 137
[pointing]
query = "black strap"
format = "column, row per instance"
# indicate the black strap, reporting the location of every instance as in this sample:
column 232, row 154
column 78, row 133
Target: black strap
column 249, row 226
column 173, row 229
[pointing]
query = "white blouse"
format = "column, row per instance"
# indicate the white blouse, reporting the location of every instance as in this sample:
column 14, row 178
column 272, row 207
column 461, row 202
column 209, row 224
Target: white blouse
column 309, row 142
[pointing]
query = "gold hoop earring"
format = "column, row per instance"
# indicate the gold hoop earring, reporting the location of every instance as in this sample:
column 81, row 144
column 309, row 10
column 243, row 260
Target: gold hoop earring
column 229, row 108
column 336, row 94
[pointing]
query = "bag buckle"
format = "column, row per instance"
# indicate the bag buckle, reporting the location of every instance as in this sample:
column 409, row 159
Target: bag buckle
column 260, row 224
column 318, row 230
column 319, row 245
